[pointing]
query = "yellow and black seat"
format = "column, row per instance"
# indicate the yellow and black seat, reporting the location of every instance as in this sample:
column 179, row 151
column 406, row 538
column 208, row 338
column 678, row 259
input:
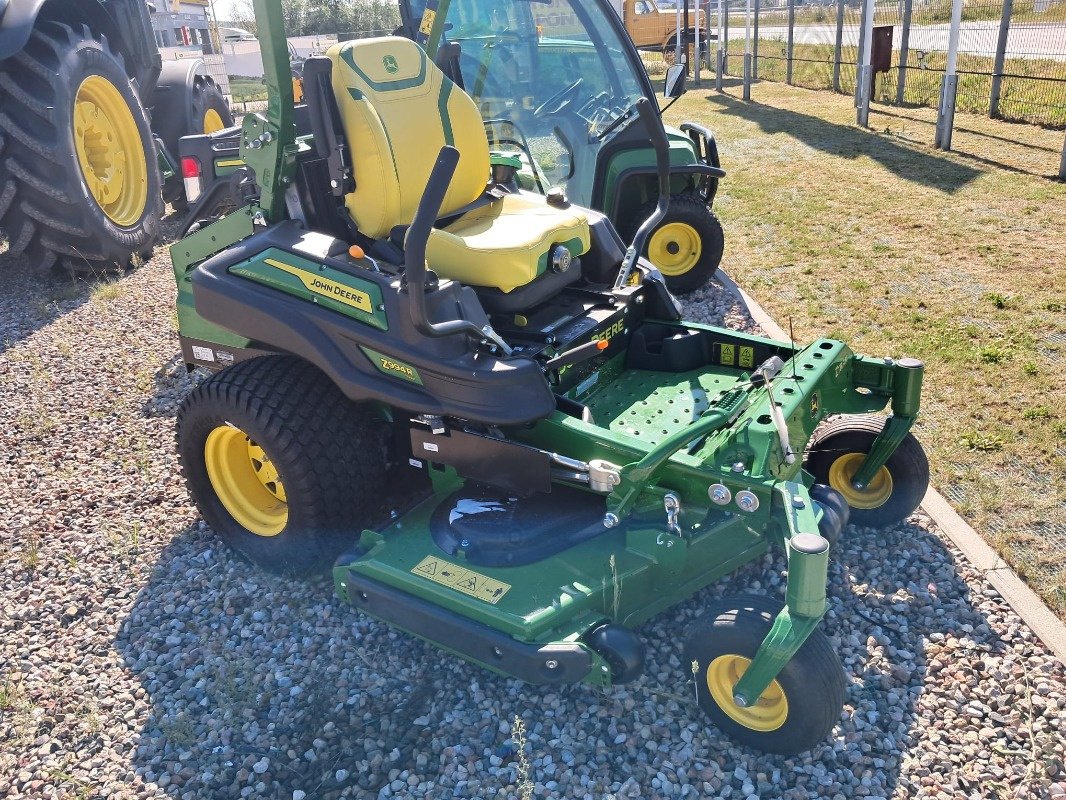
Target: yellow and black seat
column 398, row 110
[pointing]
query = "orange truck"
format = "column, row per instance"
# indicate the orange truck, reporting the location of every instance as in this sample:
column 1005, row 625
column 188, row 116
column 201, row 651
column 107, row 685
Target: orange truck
column 653, row 25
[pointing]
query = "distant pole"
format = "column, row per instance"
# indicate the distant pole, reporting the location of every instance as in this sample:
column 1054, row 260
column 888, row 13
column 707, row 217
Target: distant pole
column 859, row 52
column 1001, row 55
column 946, row 111
column 747, row 50
column 866, row 68
column 839, row 46
column 678, row 49
column 904, row 50
column 791, row 41
column 696, row 46
column 1062, row 163
column 720, row 55
column 755, row 46
column 725, row 55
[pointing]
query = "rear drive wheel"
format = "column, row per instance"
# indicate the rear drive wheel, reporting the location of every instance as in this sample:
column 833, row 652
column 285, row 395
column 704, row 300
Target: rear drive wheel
column 687, row 246
column 283, row 467
column 799, row 708
column 836, row 452
column 79, row 181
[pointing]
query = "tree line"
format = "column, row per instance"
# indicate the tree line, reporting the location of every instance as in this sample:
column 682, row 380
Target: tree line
column 311, row 17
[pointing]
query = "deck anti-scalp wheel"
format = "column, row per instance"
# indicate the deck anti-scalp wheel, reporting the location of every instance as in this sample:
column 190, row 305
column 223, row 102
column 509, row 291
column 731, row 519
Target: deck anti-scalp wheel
column 283, row 467
column 837, row 450
column 799, row 708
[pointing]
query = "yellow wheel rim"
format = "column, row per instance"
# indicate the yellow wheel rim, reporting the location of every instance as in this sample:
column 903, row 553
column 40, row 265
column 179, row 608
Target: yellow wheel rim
column 110, row 151
column 675, row 248
column 766, row 714
column 213, row 121
column 875, row 495
column 246, row 481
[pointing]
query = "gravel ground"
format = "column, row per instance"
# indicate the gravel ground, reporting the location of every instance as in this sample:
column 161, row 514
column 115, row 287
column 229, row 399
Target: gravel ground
column 138, row 658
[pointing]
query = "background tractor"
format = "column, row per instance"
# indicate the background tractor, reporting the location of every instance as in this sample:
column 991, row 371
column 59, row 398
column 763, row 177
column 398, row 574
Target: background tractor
column 90, row 119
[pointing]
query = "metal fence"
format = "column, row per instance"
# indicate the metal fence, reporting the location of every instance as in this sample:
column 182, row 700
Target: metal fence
column 1011, row 62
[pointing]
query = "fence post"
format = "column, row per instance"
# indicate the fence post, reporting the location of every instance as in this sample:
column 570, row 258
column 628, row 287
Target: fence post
column 945, row 120
column 839, row 46
column 1001, row 54
column 859, row 53
column 747, row 50
column 904, row 49
column 1062, row 164
column 720, row 55
column 725, row 45
column 864, row 73
column 755, row 46
column 791, row 40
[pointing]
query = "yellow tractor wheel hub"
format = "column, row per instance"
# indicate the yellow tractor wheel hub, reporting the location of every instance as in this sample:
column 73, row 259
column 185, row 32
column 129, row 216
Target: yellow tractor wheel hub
column 766, row 714
column 675, row 248
column 110, row 151
column 213, row 121
column 876, row 494
column 246, row 481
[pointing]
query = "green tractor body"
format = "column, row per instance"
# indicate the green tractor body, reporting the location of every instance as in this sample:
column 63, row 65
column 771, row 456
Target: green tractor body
column 571, row 457
column 89, row 130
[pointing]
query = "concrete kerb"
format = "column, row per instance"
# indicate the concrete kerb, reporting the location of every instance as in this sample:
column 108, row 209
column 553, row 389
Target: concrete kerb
column 1024, row 601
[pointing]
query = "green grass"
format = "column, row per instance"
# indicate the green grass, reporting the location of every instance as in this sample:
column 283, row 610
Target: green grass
column 958, row 259
column 244, row 88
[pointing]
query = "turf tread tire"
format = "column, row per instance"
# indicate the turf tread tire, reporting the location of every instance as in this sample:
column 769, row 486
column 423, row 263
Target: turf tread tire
column 46, row 210
column 689, row 209
column 813, row 680
column 908, row 466
column 330, row 453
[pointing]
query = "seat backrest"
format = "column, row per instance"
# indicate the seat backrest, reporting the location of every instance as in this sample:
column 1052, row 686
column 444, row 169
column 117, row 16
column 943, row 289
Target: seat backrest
column 398, row 110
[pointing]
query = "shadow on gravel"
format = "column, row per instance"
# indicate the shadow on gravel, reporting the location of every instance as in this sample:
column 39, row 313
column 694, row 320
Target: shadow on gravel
column 33, row 299
column 910, row 163
column 262, row 686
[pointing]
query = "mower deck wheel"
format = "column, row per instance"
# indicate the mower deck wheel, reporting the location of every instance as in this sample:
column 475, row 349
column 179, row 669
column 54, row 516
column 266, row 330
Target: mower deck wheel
column 283, row 467
column 799, row 708
column 837, row 450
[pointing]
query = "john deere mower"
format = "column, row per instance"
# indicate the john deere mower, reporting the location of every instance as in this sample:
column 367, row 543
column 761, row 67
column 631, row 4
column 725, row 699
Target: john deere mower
column 555, row 82
column 391, row 313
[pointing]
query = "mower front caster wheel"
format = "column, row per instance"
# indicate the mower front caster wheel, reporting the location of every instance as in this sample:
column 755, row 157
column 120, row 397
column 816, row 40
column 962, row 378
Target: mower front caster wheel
column 799, row 708
column 283, row 467
column 686, row 247
column 837, row 450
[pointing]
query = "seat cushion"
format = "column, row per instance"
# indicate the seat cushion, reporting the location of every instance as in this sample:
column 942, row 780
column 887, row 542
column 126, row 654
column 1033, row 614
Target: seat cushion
column 508, row 243
column 398, row 110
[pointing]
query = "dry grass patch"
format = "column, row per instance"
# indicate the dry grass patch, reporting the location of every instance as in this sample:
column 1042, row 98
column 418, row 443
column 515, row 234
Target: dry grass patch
column 958, row 259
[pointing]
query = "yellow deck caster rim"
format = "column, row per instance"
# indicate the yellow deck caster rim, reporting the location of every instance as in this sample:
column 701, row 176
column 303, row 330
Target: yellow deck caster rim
column 246, row 481
column 766, row 714
column 875, row 495
column 110, row 151
column 675, row 248
column 213, row 121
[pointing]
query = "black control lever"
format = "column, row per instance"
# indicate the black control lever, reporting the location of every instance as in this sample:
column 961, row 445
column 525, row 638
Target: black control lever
column 577, row 354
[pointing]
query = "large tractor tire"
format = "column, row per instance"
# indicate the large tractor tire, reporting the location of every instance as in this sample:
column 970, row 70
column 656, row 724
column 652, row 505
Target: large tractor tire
column 208, row 113
column 79, row 180
column 284, row 468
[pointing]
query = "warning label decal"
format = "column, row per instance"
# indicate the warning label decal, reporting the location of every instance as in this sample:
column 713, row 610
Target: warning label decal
column 461, row 579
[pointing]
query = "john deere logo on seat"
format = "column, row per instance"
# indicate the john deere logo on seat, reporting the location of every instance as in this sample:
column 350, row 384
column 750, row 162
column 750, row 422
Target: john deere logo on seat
column 390, row 64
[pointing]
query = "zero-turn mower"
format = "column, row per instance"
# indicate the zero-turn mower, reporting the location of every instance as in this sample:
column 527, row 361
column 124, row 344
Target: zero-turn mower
column 577, row 457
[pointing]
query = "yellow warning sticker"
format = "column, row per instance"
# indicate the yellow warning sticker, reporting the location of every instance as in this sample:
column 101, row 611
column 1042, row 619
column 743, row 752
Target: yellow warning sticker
column 461, row 579
column 747, row 356
column 729, row 355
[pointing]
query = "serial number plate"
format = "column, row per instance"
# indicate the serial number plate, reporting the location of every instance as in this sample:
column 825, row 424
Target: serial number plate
column 461, row 579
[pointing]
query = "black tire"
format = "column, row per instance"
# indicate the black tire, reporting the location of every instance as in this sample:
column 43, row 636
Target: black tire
column 329, row 453
column 206, row 97
column 908, row 468
column 687, row 210
column 812, row 682
column 46, row 206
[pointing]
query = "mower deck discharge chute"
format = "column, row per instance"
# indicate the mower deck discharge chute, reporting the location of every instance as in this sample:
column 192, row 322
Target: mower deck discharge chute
column 579, row 457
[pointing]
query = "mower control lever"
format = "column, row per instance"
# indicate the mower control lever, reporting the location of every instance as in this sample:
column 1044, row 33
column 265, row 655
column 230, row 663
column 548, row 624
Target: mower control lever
column 577, row 354
column 764, row 376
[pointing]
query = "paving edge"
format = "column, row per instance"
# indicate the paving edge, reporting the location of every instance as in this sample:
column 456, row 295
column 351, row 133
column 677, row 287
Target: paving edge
column 1024, row 601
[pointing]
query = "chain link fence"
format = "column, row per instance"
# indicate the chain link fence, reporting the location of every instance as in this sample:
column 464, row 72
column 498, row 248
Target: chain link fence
column 1011, row 64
